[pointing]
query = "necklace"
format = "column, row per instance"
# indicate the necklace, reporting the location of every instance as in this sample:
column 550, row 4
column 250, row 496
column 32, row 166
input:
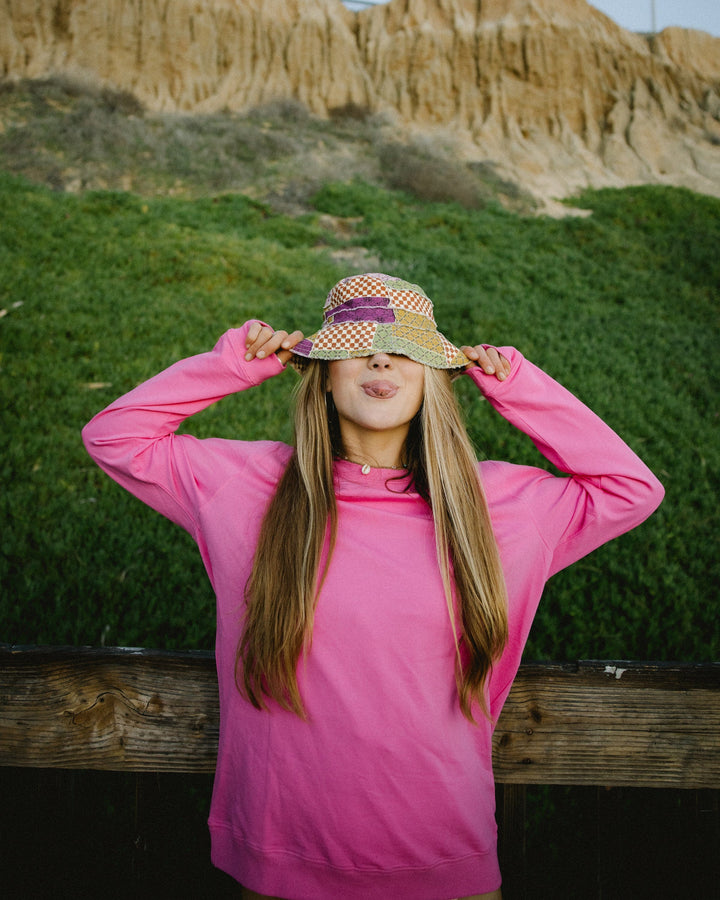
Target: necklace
column 366, row 468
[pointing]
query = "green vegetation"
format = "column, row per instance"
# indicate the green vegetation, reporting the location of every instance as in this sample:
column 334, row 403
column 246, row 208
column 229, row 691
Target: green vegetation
column 103, row 287
column 100, row 290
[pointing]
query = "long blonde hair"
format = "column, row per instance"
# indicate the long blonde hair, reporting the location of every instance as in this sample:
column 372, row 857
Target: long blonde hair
column 286, row 578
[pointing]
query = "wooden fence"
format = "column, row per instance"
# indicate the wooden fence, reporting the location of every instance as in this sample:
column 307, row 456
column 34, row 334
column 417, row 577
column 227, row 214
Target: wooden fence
column 596, row 724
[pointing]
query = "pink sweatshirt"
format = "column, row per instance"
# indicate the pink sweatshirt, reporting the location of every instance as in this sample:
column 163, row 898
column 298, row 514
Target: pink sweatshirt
column 387, row 790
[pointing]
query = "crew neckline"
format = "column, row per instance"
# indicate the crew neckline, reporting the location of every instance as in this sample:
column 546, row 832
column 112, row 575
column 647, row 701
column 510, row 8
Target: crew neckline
column 350, row 471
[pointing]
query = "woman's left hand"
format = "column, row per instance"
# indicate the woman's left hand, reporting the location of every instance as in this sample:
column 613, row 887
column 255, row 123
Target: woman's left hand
column 490, row 360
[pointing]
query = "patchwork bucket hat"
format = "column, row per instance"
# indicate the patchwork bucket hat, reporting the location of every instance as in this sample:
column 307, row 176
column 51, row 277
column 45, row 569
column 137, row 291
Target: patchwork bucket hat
column 376, row 313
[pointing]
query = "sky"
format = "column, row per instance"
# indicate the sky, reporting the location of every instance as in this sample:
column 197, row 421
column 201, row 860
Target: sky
column 637, row 15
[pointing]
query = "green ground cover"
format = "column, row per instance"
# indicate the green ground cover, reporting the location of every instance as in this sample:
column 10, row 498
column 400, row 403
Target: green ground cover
column 101, row 290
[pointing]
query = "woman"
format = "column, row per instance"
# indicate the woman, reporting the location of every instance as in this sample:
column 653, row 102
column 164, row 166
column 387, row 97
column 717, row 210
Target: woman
column 375, row 585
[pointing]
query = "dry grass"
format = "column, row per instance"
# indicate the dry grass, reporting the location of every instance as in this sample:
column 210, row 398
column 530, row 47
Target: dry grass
column 74, row 136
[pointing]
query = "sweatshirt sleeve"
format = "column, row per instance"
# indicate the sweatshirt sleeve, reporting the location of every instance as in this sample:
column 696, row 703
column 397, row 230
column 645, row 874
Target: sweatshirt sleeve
column 133, row 440
column 608, row 489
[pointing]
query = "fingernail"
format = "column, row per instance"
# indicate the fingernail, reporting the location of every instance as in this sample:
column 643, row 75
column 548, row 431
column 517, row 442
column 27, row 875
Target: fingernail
column 248, row 356
column 260, row 354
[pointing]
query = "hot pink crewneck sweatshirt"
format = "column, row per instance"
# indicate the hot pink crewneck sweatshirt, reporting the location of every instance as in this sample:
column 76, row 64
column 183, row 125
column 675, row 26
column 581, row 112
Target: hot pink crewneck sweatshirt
column 387, row 790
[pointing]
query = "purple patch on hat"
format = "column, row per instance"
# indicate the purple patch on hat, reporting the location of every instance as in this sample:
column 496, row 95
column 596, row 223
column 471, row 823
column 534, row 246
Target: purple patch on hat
column 302, row 347
column 359, row 303
column 371, row 314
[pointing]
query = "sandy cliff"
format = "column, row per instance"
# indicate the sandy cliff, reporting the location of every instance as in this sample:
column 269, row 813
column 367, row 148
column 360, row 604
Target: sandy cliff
column 552, row 91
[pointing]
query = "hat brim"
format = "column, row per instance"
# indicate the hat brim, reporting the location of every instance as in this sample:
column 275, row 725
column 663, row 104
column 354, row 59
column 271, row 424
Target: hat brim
column 348, row 340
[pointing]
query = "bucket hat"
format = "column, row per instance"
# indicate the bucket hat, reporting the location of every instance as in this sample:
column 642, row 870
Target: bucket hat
column 376, row 313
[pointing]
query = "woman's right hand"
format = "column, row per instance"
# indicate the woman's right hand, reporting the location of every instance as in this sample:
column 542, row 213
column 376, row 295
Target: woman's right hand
column 262, row 341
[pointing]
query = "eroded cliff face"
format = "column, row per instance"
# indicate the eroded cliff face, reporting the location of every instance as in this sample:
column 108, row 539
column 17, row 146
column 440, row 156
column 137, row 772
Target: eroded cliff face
column 191, row 55
column 552, row 91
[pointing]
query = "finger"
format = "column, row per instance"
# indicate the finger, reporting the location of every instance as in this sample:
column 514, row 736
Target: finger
column 290, row 341
column 260, row 339
column 506, row 368
column 499, row 363
column 255, row 341
column 484, row 359
column 272, row 344
column 495, row 358
column 252, row 333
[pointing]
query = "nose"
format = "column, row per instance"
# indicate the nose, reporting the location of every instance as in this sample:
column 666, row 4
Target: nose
column 380, row 361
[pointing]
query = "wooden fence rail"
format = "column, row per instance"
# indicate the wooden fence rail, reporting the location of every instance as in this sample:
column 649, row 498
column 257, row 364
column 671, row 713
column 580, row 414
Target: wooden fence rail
column 591, row 723
column 586, row 723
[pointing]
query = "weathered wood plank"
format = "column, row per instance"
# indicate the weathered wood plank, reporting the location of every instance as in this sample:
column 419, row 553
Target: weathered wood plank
column 615, row 724
column 655, row 725
column 114, row 709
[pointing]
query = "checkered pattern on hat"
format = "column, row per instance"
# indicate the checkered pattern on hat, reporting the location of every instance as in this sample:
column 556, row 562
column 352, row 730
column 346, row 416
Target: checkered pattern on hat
column 353, row 287
column 412, row 301
column 454, row 356
column 346, row 338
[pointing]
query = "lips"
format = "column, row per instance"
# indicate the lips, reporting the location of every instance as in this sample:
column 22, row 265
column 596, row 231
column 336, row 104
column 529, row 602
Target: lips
column 380, row 390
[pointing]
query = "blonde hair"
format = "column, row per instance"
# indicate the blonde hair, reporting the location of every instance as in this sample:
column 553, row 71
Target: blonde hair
column 286, row 577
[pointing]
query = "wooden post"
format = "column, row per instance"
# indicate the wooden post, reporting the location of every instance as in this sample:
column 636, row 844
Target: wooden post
column 511, row 840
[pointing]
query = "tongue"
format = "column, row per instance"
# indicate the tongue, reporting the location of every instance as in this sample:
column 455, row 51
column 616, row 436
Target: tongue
column 380, row 389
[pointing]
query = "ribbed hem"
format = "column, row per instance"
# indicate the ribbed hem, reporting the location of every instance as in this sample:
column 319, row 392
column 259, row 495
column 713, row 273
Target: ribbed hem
column 293, row 877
